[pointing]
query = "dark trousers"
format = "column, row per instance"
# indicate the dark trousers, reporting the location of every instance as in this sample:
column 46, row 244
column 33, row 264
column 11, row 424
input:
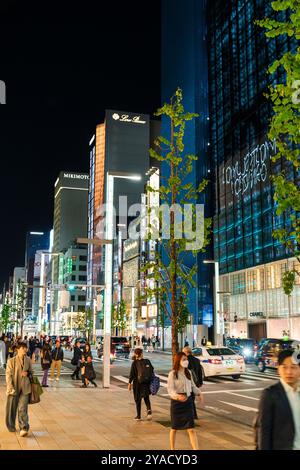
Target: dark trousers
column 139, row 405
column 14, row 404
column 76, row 372
column 194, row 406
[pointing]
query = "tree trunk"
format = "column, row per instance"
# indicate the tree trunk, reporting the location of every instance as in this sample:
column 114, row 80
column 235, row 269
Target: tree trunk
column 174, row 309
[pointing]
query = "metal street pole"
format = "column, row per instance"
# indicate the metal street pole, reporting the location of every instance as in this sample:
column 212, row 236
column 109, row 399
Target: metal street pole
column 217, row 324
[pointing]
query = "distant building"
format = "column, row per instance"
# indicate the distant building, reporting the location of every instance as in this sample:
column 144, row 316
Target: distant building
column 35, row 241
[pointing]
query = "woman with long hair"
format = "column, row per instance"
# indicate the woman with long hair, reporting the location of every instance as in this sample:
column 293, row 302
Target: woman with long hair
column 46, row 360
column 87, row 369
column 180, row 388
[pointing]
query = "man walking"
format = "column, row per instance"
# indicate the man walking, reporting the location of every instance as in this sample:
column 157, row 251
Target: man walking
column 18, row 389
column 278, row 420
column 77, row 354
column 196, row 371
column 57, row 358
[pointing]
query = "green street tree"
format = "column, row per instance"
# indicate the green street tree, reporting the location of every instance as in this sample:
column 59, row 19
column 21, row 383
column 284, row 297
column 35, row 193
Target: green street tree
column 285, row 128
column 79, row 323
column 89, row 323
column 119, row 317
column 6, row 318
column 169, row 280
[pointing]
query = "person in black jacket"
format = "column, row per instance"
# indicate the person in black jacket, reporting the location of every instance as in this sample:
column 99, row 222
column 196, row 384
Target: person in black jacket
column 57, row 358
column 196, row 371
column 77, row 353
column 278, row 421
column 84, row 358
column 140, row 377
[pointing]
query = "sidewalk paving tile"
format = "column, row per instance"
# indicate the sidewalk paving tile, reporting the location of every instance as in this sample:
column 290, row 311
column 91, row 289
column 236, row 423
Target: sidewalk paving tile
column 97, row 419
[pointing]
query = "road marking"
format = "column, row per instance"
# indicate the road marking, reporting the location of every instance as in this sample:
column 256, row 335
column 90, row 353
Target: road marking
column 241, row 390
column 121, row 378
column 241, row 407
column 240, row 395
column 256, row 378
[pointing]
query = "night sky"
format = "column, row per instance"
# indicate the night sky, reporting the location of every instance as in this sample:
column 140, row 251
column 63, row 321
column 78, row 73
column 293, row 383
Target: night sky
column 62, row 69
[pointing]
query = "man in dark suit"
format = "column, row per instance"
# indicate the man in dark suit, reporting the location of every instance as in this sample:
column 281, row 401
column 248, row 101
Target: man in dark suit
column 278, row 420
column 196, row 371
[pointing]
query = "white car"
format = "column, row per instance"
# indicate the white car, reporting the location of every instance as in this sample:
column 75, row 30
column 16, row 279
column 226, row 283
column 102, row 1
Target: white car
column 219, row 360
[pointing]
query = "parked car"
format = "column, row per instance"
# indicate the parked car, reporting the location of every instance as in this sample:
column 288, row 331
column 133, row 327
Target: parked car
column 119, row 347
column 82, row 342
column 217, row 361
column 268, row 350
column 246, row 347
column 65, row 340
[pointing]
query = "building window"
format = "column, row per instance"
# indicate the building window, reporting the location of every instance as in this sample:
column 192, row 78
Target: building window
column 82, row 258
column 81, row 298
column 73, row 278
column 82, row 278
column 82, row 267
column 81, row 308
column 72, row 298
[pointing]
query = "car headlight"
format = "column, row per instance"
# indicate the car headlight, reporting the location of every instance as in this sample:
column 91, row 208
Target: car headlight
column 247, row 352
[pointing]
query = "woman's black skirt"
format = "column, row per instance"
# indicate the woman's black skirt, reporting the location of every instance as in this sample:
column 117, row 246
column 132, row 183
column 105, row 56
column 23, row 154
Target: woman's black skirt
column 182, row 414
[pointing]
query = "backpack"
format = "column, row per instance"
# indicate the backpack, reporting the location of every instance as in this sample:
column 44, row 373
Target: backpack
column 145, row 371
column 154, row 385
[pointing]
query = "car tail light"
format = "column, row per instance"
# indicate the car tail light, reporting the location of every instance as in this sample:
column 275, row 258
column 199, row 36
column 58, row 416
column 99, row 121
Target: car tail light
column 215, row 361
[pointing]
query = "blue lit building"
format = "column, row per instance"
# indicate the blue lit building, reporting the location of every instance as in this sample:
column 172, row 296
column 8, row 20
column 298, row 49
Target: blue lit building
column 214, row 51
column 251, row 261
column 184, row 65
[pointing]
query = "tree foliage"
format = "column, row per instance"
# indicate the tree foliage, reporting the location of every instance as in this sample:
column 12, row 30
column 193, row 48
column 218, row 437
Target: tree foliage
column 285, row 128
column 7, row 319
column 169, row 279
column 119, row 316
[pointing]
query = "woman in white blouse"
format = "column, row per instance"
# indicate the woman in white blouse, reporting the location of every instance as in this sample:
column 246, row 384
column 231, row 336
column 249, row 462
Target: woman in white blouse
column 180, row 388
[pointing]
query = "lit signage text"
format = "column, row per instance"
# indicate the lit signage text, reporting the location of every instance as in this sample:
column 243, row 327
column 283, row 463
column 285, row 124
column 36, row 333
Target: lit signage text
column 127, row 118
column 75, row 176
column 244, row 175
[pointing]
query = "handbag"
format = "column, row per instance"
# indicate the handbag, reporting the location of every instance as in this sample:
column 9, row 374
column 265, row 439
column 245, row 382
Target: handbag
column 36, row 390
column 154, row 384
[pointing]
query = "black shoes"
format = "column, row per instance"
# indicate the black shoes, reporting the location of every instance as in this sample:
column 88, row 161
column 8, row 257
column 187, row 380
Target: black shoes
column 137, row 418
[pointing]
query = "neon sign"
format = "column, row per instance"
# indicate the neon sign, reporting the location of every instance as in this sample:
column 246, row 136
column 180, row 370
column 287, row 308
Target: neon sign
column 244, row 175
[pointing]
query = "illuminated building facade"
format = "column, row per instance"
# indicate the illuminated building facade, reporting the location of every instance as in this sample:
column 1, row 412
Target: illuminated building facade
column 251, row 260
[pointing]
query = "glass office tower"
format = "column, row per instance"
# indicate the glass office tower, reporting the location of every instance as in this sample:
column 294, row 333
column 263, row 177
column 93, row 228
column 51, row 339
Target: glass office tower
column 251, row 261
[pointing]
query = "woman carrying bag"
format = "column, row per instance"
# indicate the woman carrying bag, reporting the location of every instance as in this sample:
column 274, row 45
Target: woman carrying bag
column 46, row 359
column 140, row 376
column 180, row 388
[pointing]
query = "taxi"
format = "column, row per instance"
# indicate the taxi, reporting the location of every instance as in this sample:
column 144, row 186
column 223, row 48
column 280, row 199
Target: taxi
column 219, row 360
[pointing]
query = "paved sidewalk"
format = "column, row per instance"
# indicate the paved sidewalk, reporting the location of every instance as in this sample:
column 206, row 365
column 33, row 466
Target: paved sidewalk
column 71, row 418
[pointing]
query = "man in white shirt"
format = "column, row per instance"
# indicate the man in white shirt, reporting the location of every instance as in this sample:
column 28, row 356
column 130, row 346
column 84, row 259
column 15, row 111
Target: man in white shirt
column 278, row 420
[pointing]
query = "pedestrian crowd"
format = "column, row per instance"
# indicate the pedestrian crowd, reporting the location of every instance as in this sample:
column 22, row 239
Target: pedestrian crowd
column 276, row 426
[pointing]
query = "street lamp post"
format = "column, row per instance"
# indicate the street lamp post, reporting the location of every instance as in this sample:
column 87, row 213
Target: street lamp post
column 218, row 334
column 108, row 268
column 108, row 265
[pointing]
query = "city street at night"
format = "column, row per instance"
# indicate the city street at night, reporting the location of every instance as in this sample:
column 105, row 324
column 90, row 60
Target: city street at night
column 150, row 231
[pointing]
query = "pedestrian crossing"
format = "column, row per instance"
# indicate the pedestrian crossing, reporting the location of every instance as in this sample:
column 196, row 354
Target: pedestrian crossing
column 249, row 377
